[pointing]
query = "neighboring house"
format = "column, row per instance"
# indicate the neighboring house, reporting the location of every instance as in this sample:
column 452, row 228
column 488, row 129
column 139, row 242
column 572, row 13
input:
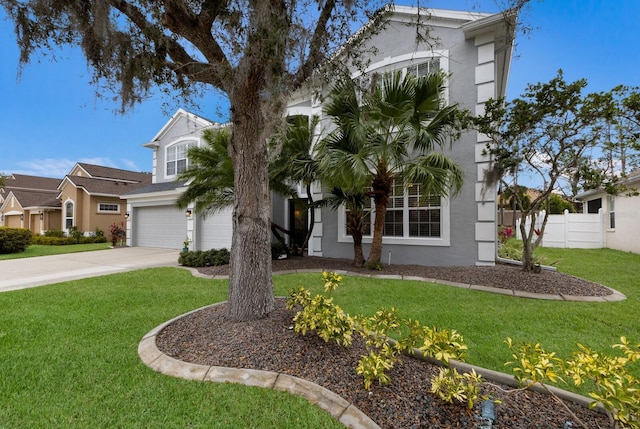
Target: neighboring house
column 90, row 196
column 621, row 214
column 154, row 219
column 475, row 49
column 30, row 202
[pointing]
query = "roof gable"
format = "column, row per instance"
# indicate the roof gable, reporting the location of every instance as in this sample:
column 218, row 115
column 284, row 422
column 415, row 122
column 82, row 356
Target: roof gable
column 99, row 186
column 196, row 123
column 100, row 172
column 32, row 198
column 23, row 181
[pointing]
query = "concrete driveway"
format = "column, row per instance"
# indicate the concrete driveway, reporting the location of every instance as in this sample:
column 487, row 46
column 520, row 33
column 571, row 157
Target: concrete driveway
column 30, row 272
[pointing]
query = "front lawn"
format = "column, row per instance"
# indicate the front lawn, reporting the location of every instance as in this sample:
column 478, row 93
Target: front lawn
column 68, row 352
column 41, row 250
column 68, row 357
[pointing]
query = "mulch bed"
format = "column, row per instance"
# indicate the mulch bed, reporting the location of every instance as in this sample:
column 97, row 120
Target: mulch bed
column 207, row 337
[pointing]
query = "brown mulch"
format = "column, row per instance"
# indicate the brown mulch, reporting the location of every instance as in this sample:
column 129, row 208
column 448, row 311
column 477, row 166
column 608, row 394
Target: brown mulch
column 207, row 338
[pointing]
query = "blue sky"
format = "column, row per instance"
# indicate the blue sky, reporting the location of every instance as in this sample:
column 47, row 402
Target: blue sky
column 50, row 118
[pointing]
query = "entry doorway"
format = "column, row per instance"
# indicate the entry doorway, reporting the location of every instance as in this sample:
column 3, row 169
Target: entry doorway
column 298, row 222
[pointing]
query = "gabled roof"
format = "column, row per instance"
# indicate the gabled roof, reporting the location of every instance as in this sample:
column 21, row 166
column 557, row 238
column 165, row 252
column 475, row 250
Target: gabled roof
column 157, row 187
column 101, row 172
column 23, row 181
column 101, row 186
column 199, row 123
column 633, row 179
column 31, row 198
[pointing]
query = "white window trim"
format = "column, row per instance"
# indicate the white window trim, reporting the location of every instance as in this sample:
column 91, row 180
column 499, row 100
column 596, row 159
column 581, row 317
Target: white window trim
column 413, row 58
column 611, row 203
column 443, row 240
column 195, row 141
column 64, row 214
column 109, row 211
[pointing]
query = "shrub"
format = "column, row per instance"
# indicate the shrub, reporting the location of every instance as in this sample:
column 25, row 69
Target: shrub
column 320, row 314
column 277, row 249
column 117, row 233
column 207, row 258
column 14, row 240
column 75, row 233
column 54, row 233
column 612, row 385
column 63, row 241
column 98, row 233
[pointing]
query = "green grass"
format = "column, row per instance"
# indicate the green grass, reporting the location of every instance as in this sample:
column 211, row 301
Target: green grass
column 68, row 352
column 486, row 320
column 40, row 250
column 68, row 357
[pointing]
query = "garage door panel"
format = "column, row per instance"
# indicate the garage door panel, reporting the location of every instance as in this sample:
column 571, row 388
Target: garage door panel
column 159, row 226
column 215, row 231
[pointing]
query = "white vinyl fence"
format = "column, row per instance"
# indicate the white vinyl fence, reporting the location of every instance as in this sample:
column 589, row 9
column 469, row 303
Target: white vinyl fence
column 570, row 230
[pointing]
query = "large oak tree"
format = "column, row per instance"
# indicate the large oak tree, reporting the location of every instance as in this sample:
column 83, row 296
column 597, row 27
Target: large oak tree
column 254, row 51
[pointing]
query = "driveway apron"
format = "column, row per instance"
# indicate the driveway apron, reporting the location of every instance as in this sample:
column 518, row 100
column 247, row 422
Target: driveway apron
column 30, row 272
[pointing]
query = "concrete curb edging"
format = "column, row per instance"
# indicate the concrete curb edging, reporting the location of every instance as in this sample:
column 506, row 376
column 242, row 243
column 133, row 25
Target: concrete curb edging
column 615, row 295
column 338, row 407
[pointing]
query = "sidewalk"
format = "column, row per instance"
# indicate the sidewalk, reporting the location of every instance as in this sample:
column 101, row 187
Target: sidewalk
column 30, row 272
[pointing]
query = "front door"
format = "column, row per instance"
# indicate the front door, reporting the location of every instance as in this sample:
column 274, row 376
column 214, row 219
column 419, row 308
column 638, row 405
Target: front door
column 298, row 221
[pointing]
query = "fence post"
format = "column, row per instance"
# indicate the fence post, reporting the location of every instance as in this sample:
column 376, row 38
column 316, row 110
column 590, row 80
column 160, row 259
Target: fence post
column 565, row 219
column 601, row 234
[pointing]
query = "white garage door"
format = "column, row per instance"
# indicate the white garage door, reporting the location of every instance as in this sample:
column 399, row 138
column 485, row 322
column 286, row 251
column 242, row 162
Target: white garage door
column 215, row 231
column 159, row 226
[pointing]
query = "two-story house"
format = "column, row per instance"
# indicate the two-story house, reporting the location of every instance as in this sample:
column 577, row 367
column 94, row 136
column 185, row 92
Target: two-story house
column 474, row 49
column 154, row 220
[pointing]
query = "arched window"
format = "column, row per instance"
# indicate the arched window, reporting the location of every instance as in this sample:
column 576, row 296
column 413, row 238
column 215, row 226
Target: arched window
column 68, row 214
column 176, row 156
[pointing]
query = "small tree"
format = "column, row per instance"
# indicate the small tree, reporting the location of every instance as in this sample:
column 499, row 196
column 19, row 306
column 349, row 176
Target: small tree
column 544, row 134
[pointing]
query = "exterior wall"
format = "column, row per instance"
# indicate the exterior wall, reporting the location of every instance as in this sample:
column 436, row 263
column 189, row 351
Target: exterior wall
column 183, row 129
column 627, row 223
column 96, row 219
column 52, row 219
column 13, row 221
column 70, row 193
column 472, row 213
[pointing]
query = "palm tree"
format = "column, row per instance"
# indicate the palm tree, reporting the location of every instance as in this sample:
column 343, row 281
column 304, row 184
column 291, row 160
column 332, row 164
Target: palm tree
column 358, row 219
column 210, row 174
column 390, row 139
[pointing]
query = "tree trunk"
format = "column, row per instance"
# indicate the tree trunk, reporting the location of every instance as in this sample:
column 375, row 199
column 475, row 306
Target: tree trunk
column 378, row 229
column 312, row 219
column 527, row 248
column 251, row 294
column 358, row 255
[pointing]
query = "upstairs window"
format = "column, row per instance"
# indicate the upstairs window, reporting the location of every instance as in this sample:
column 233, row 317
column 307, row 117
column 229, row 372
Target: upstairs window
column 419, row 69
column 431, row 65
column 177, row 161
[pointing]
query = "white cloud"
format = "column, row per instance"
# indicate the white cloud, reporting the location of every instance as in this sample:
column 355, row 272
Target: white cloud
column 59, row 167
column 129, row 165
